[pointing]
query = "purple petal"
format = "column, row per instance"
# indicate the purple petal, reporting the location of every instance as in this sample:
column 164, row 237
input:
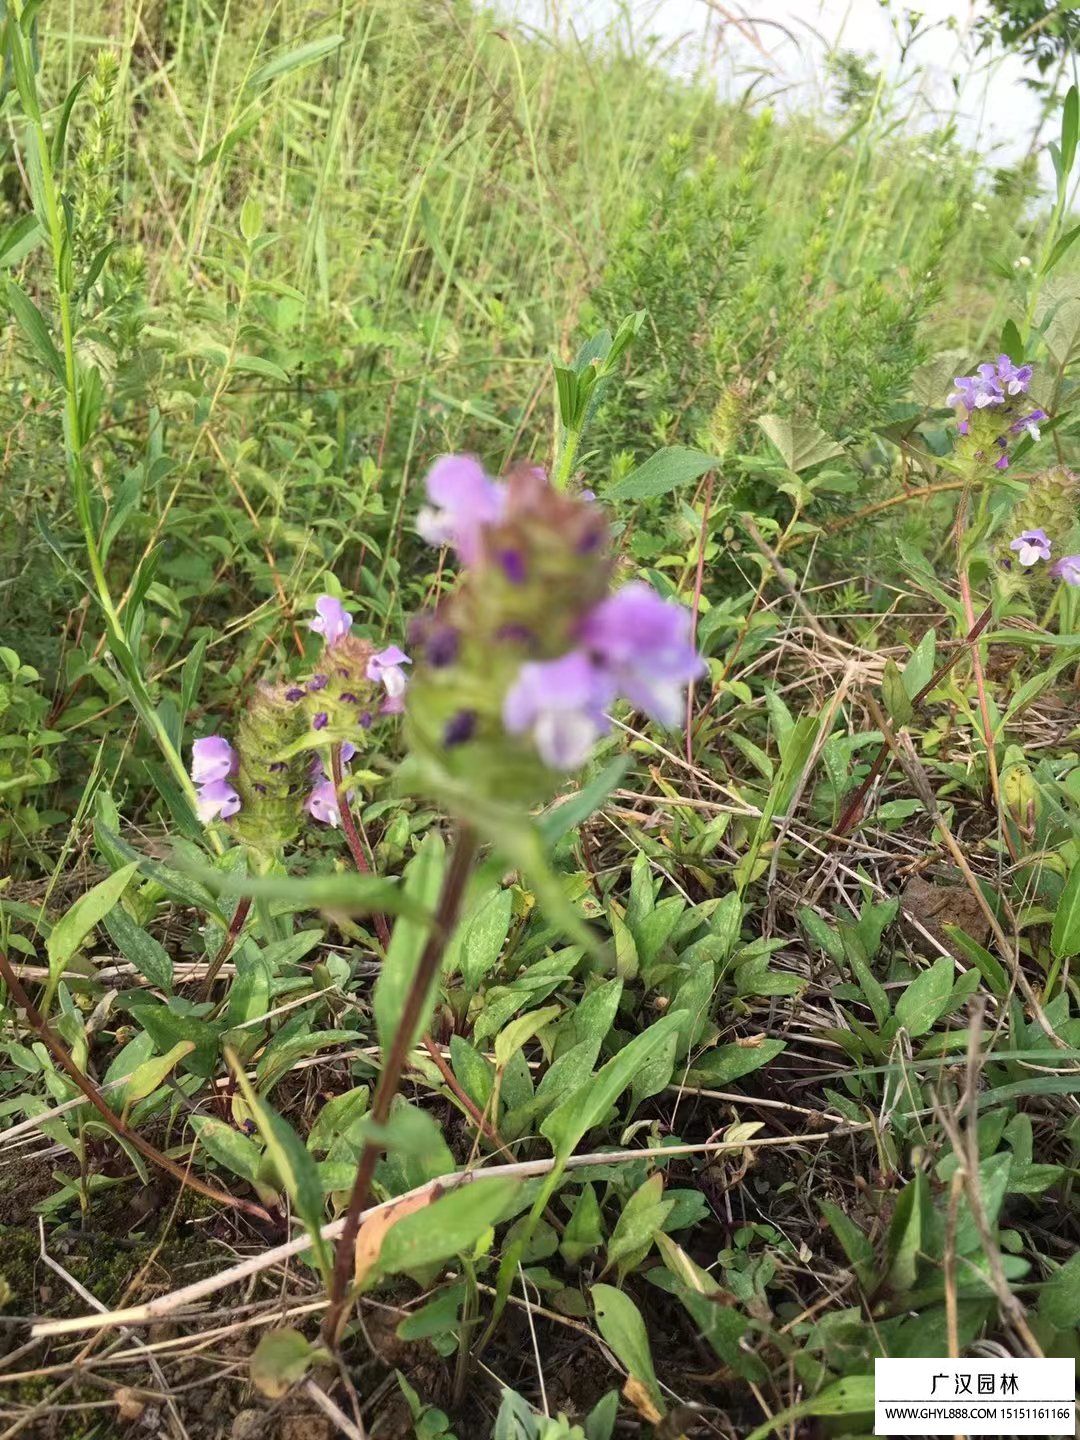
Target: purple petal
column 217, row 798
column 332, row 620
column 212, row 758
column 322, row 804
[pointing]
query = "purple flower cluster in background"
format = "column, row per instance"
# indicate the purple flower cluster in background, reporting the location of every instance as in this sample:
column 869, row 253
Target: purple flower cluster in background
column 632, row 644
column 993, row 391
column 213, row 763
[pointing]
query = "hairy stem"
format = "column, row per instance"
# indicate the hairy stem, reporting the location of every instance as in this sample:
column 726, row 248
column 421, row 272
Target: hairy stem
column 446, row 913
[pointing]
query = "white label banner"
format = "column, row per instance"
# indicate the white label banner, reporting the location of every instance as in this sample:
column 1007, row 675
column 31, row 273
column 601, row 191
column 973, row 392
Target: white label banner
column 974, row 1397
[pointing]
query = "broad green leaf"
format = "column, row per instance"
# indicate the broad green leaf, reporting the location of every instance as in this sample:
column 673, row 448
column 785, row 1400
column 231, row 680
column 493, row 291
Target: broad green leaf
column 731, row 1062
column 337, row 1117
column 857, row 1246
column 577, row 808
column 520, row 1031
column 1065, row 936
column 225, row 1144
column 449, row 1226
column 926, row 998
column 584, row 1231
column 620, row 1323
column 800, row 443
column 588, row 1105
column 871, row 987
column 148, row 955
column 84, row 916
column 146, row 1078
column 1059, row 1301
column 281, row 1358
column 423, row 877
column 479, row 938
column 664, row 471
column 642, row 1215
column 1070, row 126
column 308, row 54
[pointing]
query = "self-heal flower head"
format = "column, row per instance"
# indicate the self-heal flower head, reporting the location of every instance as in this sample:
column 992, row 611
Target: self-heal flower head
column 212, row 758
column 216, row 799
column 1031, row 547
column 1067, row 569
column 645, row 644
column 332, row 621
column 463, row 500
column 561, row 704
column 384, row 668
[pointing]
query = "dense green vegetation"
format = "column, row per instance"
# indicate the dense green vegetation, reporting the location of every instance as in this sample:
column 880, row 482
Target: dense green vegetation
column 261, row 267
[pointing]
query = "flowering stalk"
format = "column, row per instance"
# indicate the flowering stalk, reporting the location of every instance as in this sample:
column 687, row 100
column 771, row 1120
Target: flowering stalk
column 446, row 914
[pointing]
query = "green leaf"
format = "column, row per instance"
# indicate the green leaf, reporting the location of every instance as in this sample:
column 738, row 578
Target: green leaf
column 1065, row 936
column 281, row 1358
column 731, row 1062
column 423, row 877
column 19, row 238
column 148, row 955
column 644, row 1213
column 665, row 471
column 308, row 54
column 60, row 133
column 1063, row 245
column 574, row 811
column 256, row 365
column 897, row 700
column 926, row 998
column 851, row 1396
column 88, row 911
column 987, row 965
column 590, row 1102
column 800, row 443
column 32, row 323
column 1070, row 125
column 146, row 1078
column 520, row 1031
column 584, row 1231
column 449, row 1226
column 479, row 938
column 872, row 989
column 857, row 1246
column 225, row 1144
column 1059, row 1302
column 620, row 1323
column 295, row 1166
column 1011, row 342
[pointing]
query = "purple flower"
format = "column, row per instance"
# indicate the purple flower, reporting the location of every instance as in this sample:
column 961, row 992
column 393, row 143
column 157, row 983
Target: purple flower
column 1067, row 569
column 1030, row 423
column 213, row 762
column 322, row 804
column 561, row 703
column 645, row 644
column 1031, row 546
column 385, row 669
column 212, row 758
column 463, row 500
column 320, row 721
column 333, row 622
column 991, row 385
column 216, row 798
column 459, row 728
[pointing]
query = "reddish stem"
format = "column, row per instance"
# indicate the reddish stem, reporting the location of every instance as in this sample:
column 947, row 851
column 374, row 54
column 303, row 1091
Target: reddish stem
column 236, row 924
column 60, row 1054
column 446, row 913
column 352, row 836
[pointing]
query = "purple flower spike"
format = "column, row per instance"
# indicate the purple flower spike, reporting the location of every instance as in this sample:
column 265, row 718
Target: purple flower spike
column 463, row 501
column 645, row 644
column 212, row 758
column 216, row 798
column 322, row 804
column 1067, row 569
column 385, row 669
column 1031, row 546
column 561, row 703
column 333, row 622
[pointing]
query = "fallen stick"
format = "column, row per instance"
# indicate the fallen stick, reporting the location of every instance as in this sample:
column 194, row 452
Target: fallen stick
column 169, row 1304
